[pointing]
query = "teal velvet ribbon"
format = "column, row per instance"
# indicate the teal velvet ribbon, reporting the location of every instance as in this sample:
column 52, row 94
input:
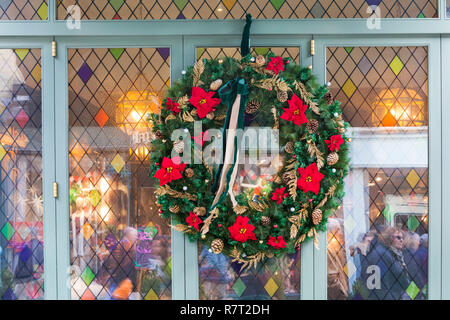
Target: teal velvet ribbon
column 245, row 42
column 228, row 93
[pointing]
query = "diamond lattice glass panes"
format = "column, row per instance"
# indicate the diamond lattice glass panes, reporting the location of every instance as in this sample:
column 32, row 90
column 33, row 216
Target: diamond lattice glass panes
column 120, row 247
column 378, row 239
column 219, row 277
column 21, row 207
column 24, row 10
column 237, row 9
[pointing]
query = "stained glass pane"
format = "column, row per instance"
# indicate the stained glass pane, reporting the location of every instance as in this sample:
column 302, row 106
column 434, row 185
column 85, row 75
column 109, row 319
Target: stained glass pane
column 24, row 10
column 120, row 246
column 237, row 9
column 219, row 277
column 21, row 207
column 378, row 238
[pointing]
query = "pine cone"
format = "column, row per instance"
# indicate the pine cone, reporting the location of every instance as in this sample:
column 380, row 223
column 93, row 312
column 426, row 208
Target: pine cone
column 158, row 134
column 200, row 211
column 174, row 209
column 260, row 60
column 329, row 97
column 217, row 246
column 285, row 178
column 312, row 125
column 316, row 216
column 289, row 147
column 210, row 116
column 265, row 220
column 216, row 84
column 252, row 107
column 189, row 173
column 332, row 158
column 282, row 96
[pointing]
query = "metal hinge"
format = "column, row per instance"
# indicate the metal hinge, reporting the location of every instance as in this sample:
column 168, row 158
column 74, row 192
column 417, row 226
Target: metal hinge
column 53, row 48
column 55, row 190
column 312, row 48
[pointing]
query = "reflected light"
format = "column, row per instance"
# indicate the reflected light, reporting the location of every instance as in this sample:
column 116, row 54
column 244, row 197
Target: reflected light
column 399, row 107
column 103, row 185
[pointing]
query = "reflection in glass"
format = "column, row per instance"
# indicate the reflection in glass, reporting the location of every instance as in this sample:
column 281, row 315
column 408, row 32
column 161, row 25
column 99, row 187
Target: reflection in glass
column 21, row 207
column 120, row 246
column 237, row 9
column 24, row 10
column 221, row 279
column 378, row 238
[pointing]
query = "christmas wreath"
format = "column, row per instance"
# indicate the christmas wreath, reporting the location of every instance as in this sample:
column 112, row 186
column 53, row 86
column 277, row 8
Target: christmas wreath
column 280, row 211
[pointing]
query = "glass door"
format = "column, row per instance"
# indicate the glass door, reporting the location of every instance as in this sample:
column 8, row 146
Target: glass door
column 381, row 239
column 216, row 277
column 118, row 245
column 27, row 208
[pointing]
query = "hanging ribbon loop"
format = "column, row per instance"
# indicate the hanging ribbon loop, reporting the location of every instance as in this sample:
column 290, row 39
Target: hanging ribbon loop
column 245, row 42
column 234, row 94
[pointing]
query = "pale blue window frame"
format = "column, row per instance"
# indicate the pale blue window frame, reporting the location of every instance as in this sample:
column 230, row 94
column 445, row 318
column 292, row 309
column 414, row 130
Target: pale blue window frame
column 182, row 37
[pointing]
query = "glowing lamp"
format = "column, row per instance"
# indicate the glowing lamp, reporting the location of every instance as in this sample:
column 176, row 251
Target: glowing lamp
column 399, row 107
column 134, row 107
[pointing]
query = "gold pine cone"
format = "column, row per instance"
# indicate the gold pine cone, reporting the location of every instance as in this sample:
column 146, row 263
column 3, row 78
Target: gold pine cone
column 210, row 116
column 179, row 146
column 174, row 209
column 217, row 246
column 289, row 147
column 312, row 125
column 215, row 85
column 260, row 60
column 252, row 107
column 316, row 216
column 282, row 96
column 189, row 173
column 265, row 220
column 200, row 211
column 332, row 158
column 285, row 178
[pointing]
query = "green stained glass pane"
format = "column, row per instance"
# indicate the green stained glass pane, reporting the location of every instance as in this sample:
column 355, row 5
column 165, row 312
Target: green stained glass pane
column 261, row 50
column 412, row 290
column 412, row 223
column 116, row 52
column 8, row 231
column 277, row 3
column 181, row 4
column 239, row 287
column 87, row 275
column 116, row 4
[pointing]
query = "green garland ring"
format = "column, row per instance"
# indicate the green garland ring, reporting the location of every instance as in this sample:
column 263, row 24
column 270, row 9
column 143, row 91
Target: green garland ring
column 308, row 187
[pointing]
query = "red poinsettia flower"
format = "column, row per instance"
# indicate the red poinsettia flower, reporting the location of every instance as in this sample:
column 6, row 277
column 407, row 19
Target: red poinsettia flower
column 193, row 220
column 203, row 101
column 335, row 142
column 309, row 178
column 201, row 138
column 170, row 170
column 172, row 105
column 242, row 231
column 296, row 111
column 279, row 195
column 277, row 242
column 275, row 64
